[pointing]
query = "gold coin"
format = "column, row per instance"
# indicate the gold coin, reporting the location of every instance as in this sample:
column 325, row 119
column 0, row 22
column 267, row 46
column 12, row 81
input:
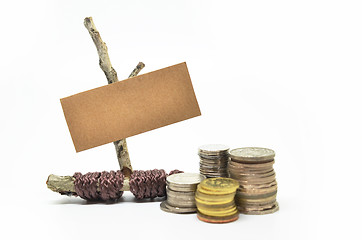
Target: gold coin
column 215, row 206
column 212, row 193
column 219, row 209
column 211, row 219
column 207, row 202
column 224, row 185
column 214, row 198
column 220, row 213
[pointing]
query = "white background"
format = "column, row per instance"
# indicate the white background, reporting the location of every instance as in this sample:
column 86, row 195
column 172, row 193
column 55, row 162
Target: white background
column 278, row 74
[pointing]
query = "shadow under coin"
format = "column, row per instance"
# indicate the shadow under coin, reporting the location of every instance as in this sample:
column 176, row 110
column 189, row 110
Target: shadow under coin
column 80, row 201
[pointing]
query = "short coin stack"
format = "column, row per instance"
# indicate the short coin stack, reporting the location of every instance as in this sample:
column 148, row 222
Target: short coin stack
column 253, row 168
column 213, row 160
column 215, row 200
column 180, row 192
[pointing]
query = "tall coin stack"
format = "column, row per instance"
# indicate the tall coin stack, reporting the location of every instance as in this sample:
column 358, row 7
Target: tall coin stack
column 180, row 190
column 215, row 200
column 253, row 168
column 213, row 160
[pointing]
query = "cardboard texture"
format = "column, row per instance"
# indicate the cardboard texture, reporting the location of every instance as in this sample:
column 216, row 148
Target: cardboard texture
column 129, row 107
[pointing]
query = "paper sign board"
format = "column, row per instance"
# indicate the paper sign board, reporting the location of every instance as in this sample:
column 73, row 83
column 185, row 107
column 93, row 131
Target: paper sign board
column 129, row 107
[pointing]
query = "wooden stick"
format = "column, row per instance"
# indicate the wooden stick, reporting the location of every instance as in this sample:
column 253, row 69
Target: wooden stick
column 121, row 145
column 104, row 61
column 111, row 74
column 65, row 184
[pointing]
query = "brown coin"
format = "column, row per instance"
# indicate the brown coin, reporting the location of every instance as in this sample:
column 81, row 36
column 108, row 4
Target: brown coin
column 235, row 164
column 256, row 200
column 254, row 196
column 256, row 181
column 259, row 188
column 255, row 175
column 265, row 205
column 240, row 174
column 262, row 212
column 239, row 169
column 252, row 154
column 251, row 162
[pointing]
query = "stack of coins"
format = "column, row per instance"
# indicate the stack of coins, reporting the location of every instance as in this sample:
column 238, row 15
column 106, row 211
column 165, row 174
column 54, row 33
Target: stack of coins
column 180, row 191
column 253, row 168
column 213, row 160
column 215, row 200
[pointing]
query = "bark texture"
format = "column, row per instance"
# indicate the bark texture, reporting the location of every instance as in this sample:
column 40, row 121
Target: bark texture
column 111, row 74
column 65, row 184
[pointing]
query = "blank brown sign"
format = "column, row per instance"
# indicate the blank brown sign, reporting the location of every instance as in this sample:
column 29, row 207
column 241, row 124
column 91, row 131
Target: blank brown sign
column 129, row 107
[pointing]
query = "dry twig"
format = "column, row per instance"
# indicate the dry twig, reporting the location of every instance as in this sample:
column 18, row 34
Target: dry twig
column 111, row 74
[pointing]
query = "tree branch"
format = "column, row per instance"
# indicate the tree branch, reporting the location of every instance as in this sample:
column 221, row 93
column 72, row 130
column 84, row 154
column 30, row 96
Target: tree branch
column 104, row 61
column 65, row 184
column 111, row 74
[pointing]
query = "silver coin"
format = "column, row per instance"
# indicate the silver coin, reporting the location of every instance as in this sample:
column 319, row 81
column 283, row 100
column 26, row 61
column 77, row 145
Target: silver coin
column 215, row 175
column 182, row 188
column 167, row 208
column 213, row 170
column 174, row 202
column 213, row 157
column 252, row 154
column 213, row 167
column 181, row 195
column 185, row 179
column 214, row 160
column 213, row 148
column 219, row 163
